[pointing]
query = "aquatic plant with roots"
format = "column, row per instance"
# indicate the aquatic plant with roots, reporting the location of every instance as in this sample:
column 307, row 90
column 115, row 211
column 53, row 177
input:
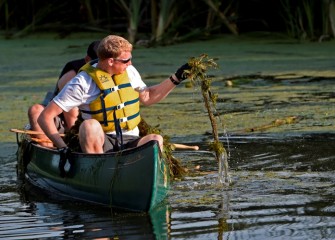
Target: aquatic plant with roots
column 198, row 76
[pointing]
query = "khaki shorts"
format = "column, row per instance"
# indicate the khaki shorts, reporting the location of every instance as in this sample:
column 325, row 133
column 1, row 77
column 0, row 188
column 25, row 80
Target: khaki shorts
column 112, row 144
column 60, row 124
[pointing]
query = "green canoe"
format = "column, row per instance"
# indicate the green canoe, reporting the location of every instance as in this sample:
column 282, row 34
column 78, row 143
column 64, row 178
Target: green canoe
column 135, row 179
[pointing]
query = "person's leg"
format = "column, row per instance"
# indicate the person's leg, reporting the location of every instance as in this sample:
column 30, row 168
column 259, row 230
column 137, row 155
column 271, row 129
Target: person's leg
column 33, row 114
column 91, row 136
column 150, row 137
column 70, row 117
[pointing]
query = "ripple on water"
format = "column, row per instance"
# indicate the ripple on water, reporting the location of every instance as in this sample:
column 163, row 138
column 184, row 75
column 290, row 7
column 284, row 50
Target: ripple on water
column 262, row 204
column 280, row 190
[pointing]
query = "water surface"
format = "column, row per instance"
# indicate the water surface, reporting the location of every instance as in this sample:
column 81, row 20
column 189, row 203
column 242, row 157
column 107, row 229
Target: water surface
column 283, row 188
column 283, row 178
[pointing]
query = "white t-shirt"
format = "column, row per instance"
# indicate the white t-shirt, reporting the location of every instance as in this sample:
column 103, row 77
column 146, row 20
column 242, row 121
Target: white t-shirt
column 82, row 90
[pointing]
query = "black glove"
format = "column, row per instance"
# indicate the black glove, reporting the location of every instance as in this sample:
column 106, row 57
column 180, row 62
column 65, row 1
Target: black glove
column 64, row 154
column 181, row 74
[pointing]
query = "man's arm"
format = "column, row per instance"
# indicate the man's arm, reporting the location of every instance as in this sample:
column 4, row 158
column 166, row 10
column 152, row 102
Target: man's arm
column 66, row 78
column 158, row 92
column 71, row 116
column 47, row 124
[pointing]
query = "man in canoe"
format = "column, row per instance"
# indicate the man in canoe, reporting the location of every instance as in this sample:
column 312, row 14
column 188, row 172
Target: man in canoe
column 66, row 119
column 108, row 95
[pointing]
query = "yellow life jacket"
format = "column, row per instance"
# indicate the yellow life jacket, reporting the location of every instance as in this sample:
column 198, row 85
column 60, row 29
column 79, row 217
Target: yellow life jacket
column 118, row 103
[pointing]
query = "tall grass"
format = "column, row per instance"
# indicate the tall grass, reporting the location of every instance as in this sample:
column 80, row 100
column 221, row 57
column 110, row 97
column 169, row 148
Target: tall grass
column 290, row 18
column 165, row 17
column 309, row 19
column 332, row 17
column 307, row 9
column 159, row 20
column 214, row 5
column 133, row 12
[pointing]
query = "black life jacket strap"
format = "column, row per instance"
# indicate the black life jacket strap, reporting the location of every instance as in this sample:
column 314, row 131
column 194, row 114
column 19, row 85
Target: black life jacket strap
column 118, row 131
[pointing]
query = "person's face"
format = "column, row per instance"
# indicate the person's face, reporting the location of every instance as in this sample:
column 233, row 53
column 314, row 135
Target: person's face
column 121, row 62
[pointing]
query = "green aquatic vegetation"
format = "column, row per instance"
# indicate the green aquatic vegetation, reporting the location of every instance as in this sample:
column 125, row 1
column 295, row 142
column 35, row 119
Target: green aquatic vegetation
column 175, row 167
column 275, row 123
column 198, row 76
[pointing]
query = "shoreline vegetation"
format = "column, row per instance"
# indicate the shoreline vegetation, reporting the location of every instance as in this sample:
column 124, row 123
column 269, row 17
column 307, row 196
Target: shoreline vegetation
column 169, row 21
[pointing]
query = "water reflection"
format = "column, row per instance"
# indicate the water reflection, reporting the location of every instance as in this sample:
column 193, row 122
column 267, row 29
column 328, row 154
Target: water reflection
column 40, row 218
column 303, row 152
column 283, row 188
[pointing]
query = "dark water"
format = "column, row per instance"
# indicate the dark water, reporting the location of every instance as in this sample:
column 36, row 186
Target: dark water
column 283, row 188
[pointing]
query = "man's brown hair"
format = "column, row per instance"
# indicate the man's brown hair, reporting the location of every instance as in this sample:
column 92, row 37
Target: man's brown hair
column 112, row 46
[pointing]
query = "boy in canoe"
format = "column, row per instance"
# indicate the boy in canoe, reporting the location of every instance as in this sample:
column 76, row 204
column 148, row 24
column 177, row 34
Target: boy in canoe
column 108, row 94
column 65, row 120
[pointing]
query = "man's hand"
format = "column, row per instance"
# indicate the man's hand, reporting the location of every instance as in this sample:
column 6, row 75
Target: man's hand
column 64, row 154
column 181, row 74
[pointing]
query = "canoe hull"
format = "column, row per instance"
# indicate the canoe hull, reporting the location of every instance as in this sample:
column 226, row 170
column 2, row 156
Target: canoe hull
column 136, row 179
